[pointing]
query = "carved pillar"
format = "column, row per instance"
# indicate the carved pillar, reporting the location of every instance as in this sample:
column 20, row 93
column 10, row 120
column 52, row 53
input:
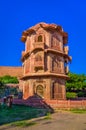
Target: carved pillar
column 48, row 85
column 27, row 65
column 27, row 47
column 31, row 91
column 49, row 63
column 64, row 90
column 26, row 90
column 55, row 90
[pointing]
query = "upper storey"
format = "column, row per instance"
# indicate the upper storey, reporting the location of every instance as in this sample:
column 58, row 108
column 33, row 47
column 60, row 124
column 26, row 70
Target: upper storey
column 47, row 27
column 45, row 49
column 46, row 37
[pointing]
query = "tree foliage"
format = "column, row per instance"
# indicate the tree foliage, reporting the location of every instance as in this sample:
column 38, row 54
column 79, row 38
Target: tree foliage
column 8, row 79
column 2, row 88
column 71, row 95
column 76, row 82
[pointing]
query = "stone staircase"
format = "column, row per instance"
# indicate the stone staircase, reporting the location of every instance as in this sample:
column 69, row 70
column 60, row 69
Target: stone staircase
column 34, row 101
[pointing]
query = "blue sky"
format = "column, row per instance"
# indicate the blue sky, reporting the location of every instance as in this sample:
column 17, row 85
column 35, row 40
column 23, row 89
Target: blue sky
column 18, row 15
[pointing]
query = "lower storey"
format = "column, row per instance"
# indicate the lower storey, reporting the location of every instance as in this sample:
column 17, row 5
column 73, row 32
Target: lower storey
column 47, row 88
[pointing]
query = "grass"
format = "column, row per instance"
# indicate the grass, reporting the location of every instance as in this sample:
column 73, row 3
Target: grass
column 73, row 110
column 78, row 111
column 18, row 113
column 23, row 123
column 48, row 116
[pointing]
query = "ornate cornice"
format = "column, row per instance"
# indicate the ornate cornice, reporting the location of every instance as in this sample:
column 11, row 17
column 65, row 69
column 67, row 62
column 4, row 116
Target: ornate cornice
column 47, row 27
column 49, row 50
column 45, row 75
column 59, row 53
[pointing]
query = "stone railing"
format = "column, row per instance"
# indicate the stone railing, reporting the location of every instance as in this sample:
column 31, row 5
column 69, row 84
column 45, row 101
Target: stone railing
column 67, row 104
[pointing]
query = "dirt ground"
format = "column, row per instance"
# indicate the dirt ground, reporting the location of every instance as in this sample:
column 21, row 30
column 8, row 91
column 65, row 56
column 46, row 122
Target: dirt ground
column 58, row 121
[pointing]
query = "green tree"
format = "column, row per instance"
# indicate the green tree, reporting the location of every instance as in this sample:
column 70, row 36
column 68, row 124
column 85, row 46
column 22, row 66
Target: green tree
column 2, row 88
column 9, row 79
column 77, row 84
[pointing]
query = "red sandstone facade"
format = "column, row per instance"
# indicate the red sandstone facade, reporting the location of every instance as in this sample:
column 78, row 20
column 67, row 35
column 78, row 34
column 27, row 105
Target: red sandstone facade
column 45, row 61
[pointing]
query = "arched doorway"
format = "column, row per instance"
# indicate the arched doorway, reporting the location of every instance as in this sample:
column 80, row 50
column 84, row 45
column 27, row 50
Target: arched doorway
column 40, row 91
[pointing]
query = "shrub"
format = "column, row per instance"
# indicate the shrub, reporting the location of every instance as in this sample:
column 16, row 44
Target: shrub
column 2, row 88
column 80, row 94
column 71, row 95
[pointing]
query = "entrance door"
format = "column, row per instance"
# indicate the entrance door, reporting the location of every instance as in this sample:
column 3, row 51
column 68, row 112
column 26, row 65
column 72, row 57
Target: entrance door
column 40, row 91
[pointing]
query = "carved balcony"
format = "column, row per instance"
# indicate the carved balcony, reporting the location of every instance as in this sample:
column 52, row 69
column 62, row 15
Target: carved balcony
column 66, row 49
column 56, row 48
column 66, row 69
column 38, row 45
column 66, row 60
column 24, row 55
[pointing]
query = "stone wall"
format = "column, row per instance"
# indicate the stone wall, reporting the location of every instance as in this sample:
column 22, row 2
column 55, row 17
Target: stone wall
column 12, row 71
column 56, row 104
column 67, row 104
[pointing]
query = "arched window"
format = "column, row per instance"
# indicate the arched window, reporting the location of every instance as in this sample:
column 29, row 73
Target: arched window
column 40, row 38
column 40, row 91
column 38, row 58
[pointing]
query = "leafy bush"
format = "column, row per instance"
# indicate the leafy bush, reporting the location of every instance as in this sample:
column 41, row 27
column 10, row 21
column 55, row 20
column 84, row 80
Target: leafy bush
column 48, row 115
column 80, row 94
column 79, row 111
column 2, row 88
column 13, row 91
column 71, row 95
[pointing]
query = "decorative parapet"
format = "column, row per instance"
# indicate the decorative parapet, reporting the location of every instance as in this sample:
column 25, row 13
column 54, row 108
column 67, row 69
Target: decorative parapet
column 47, row 27
column 44, row 75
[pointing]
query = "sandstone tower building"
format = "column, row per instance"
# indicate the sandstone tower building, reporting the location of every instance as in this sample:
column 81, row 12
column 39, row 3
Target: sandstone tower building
column 45, row 61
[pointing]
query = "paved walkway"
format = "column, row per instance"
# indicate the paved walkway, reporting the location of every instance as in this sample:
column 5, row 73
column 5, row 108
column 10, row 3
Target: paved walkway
column 58, row 121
